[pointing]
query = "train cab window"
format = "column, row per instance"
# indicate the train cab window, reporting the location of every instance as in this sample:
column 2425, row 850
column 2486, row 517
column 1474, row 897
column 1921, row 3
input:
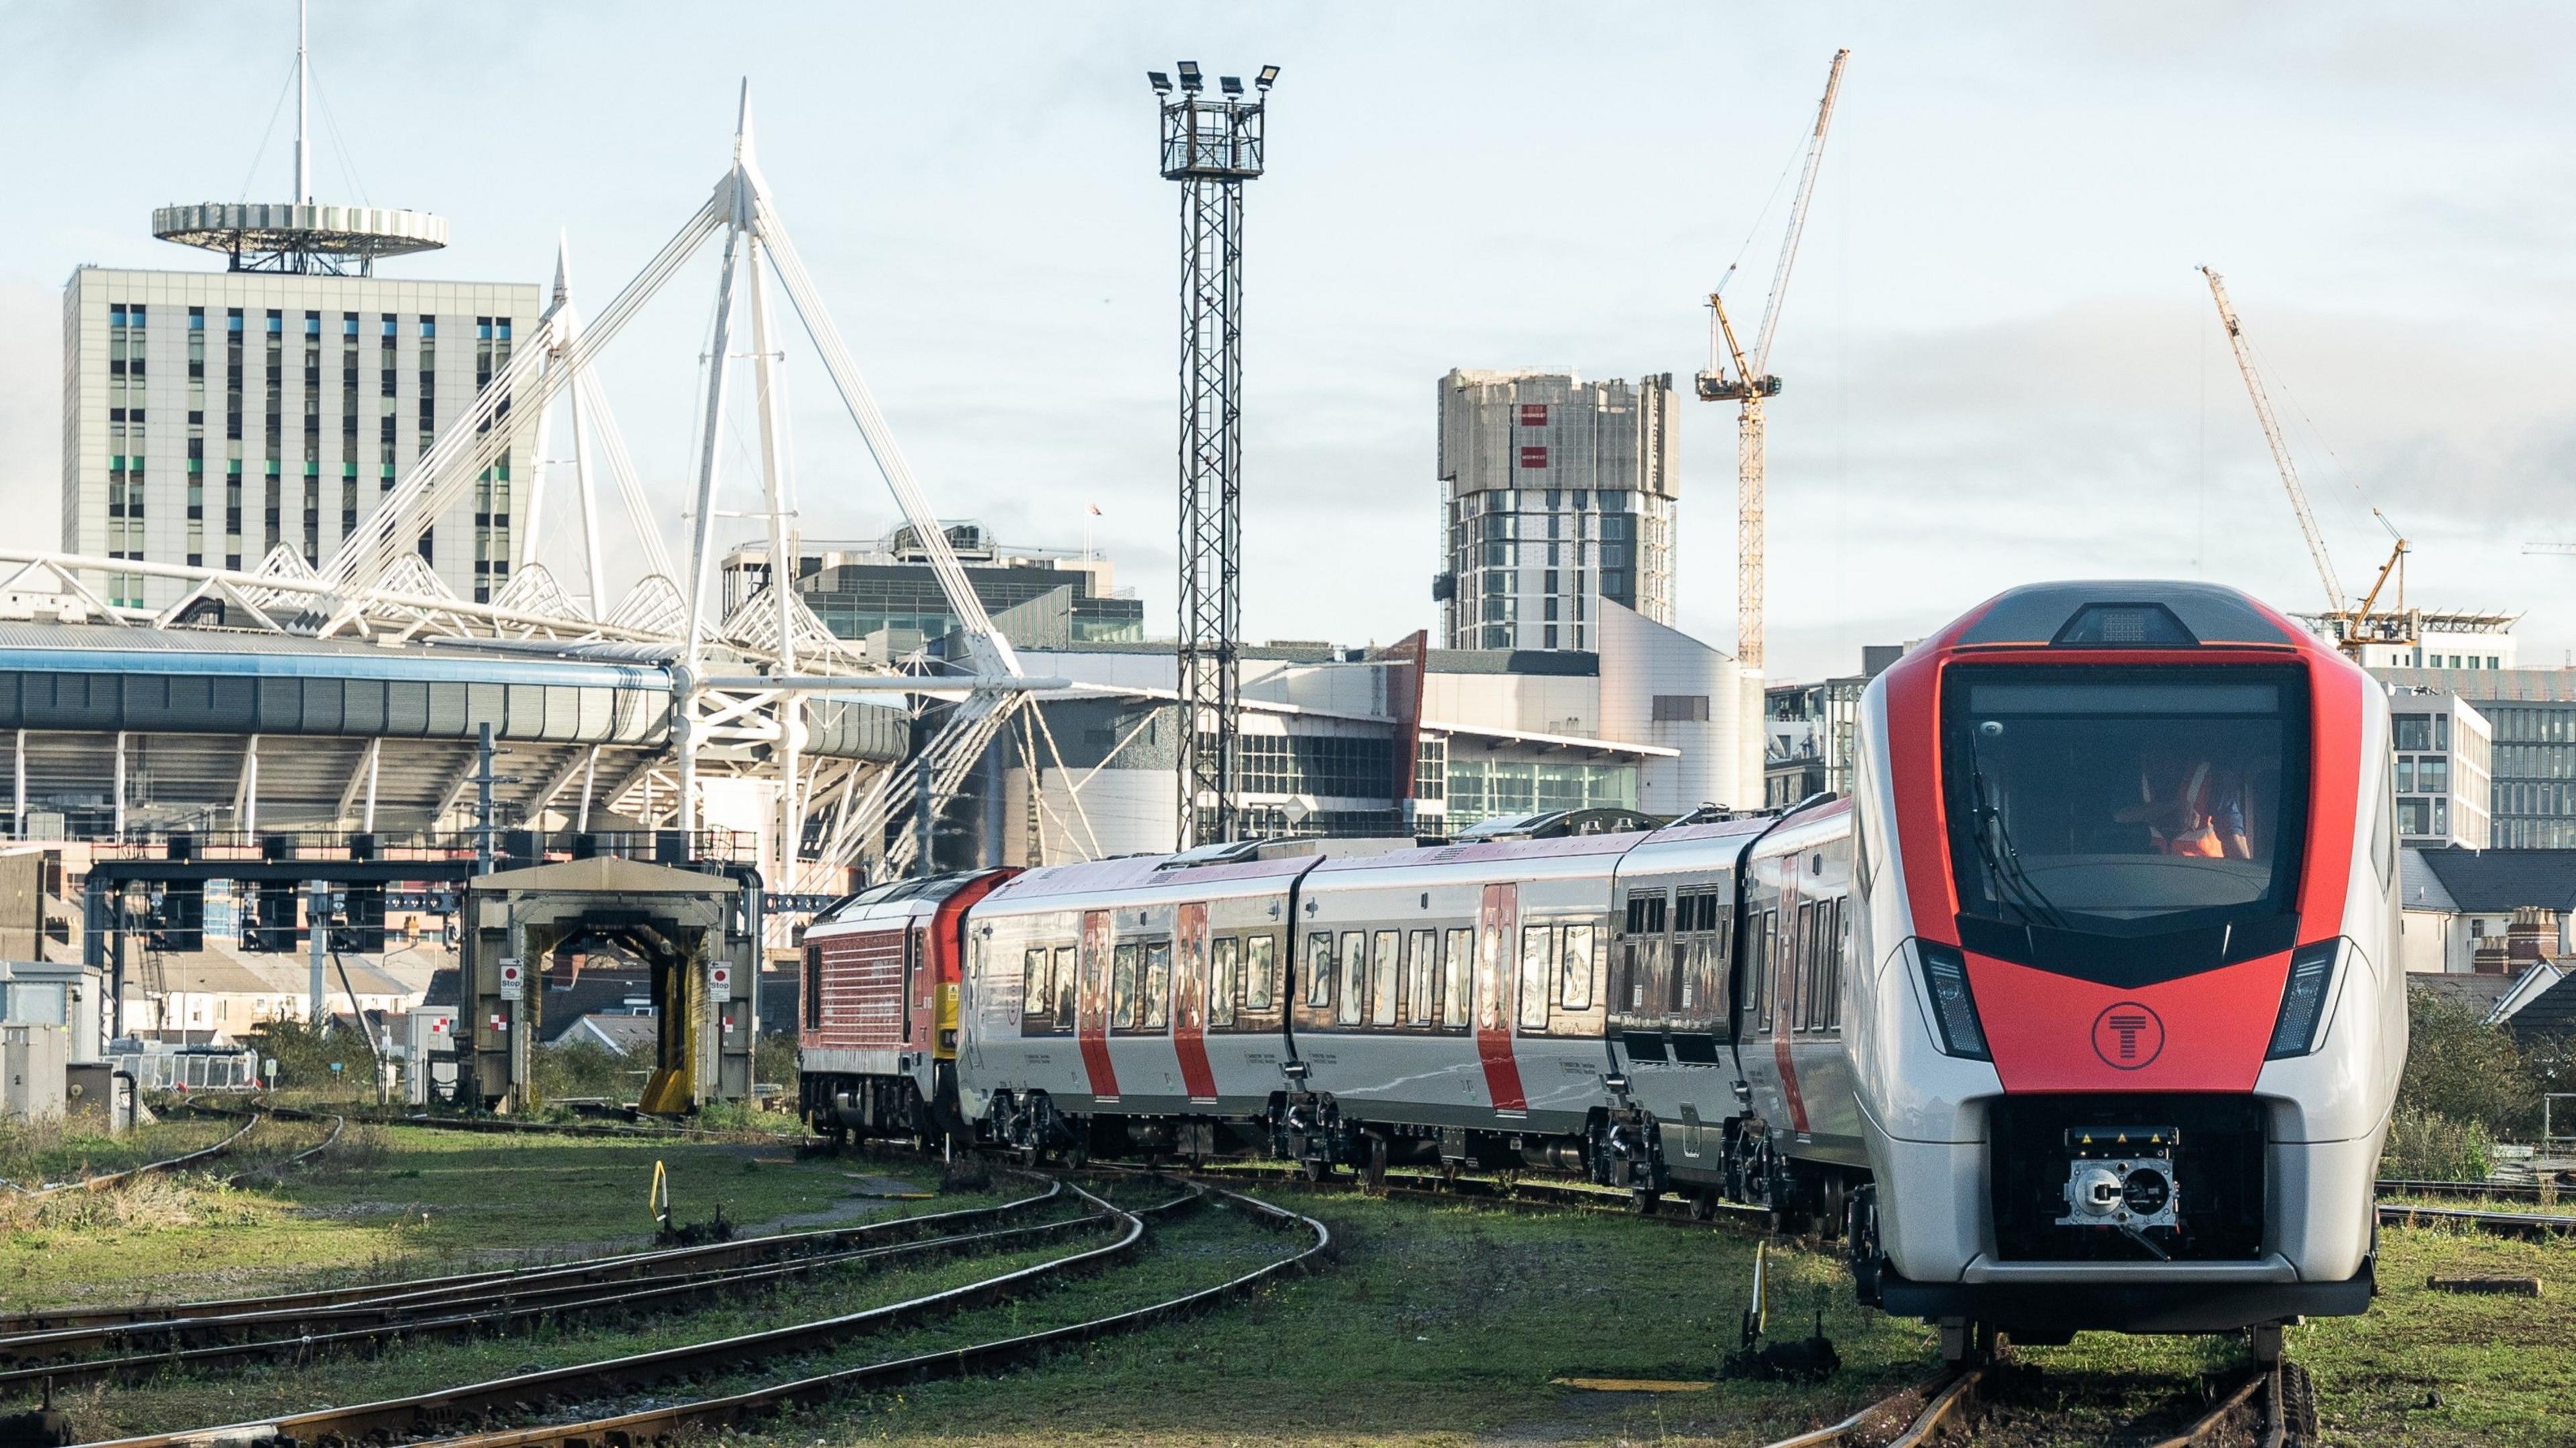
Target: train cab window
column 1122, row 987
column 1421, row 963
column 1457, row 962
column 2102, row 819
column 1384, row 982
column 1064, row 987
column 1538, row 953
column 1158, row 986
column 1319, row 969
column 1225, row 960
column 1260, row 971
column 1574, row 976
column 813, row 987
column 1037, row 984
column 1351, row 999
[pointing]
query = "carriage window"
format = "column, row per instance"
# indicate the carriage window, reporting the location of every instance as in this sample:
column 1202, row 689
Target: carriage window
column 1457, row 958
column 813, row 987
column 1260, row 971
column 1762, row 965
column 1538, row 952
column 1574, row 987
column 1158, row 986
column 1834, row 972
column 1352, row 1003
column 1122, row 987
column 1420, row 961
column 1037, row 985
column 1319, row 968
column 1383, row 962
column 1064, row 988
column 1227, row 955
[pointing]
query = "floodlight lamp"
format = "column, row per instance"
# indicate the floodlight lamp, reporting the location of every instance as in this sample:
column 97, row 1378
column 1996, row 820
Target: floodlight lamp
column 1269, row 74
column 1190, row 78
column 1231, row 85
column 1161, row 83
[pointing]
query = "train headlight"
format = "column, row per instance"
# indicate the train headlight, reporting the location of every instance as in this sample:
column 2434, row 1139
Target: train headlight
column 1954, row 1009
column 2303, row 1000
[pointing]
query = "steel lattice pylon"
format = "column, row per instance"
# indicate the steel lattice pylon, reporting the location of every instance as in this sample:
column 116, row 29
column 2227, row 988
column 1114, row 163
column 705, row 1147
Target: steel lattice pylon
column 1211, row 146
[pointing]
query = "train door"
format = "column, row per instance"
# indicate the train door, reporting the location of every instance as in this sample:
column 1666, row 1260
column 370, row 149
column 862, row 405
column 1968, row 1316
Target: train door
column 920, row 986
column 1497, row 933
column 1091, row 1020
column 1795, row 945
column 1189, row 1002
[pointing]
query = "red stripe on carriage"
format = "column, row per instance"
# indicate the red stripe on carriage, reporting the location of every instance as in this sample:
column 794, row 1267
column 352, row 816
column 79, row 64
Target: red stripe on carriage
column 1091, row 1022
column 1189, row 1002
column 1500, row 920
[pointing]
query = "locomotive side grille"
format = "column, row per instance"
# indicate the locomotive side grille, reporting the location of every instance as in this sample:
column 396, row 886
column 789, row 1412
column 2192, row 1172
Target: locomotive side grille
column 2216, row 1151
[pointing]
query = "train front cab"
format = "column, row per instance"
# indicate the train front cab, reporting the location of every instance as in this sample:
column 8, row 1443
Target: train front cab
column 877, row 1034
column 2130, row 1049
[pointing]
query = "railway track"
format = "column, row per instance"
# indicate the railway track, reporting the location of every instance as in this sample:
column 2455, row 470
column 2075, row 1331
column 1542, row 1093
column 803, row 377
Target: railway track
column 23, row 1335
column 2272, row 1406
column 481, row 1412
column 298, row 1333
column 109, row 1180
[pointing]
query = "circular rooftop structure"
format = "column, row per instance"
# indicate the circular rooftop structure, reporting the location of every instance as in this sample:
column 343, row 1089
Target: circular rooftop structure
column 300, row 236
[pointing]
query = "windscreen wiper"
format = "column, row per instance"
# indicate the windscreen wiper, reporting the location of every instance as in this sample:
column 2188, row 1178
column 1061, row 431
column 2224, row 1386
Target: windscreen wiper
column 1994, row 844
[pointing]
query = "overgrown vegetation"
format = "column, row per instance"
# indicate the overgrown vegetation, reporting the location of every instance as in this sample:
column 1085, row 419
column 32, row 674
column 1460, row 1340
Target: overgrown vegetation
column 570, row 1069
column 2429, row 1146
column 2462, row 1068
column 305, row 1056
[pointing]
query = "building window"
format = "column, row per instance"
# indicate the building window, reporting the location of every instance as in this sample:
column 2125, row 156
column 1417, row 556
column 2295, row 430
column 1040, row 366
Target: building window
column 1681, row 708
column 2414, row 817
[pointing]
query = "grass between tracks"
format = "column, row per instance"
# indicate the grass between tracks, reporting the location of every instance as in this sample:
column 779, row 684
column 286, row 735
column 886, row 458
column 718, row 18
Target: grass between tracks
column 393, row 1201
column 1433, row 1326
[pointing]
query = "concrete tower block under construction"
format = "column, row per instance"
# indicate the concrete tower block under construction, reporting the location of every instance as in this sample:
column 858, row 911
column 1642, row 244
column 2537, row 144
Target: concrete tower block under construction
column 1557, row 494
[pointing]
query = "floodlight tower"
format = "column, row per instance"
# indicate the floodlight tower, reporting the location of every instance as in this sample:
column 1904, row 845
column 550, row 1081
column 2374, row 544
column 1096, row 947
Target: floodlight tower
column 1211, row 145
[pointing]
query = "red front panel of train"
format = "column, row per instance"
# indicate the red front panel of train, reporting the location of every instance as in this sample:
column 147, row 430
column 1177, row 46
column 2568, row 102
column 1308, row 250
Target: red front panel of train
column 2126, row 846
column 862, row 992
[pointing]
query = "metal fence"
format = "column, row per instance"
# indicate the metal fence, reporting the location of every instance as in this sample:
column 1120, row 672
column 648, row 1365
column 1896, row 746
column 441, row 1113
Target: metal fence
column 191, row 1070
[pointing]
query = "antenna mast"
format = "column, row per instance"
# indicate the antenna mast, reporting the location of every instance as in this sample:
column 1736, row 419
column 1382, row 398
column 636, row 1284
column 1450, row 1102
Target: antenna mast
column 303, row 131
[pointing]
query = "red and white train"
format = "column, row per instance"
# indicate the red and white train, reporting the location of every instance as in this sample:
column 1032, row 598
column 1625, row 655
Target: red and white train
column 2090, row 984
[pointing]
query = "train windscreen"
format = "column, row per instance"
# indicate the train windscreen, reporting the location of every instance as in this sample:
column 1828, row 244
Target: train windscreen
column 2126, row 802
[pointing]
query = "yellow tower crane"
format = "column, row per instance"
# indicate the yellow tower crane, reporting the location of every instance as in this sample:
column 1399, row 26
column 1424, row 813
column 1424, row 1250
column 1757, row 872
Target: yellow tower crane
column 2354, row 624
column 1750, row 383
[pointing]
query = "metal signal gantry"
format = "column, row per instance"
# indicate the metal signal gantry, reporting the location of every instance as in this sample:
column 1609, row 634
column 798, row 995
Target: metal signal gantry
column 1211, row 145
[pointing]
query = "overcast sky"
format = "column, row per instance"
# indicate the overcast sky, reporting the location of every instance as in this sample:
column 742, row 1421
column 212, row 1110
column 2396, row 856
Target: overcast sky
column 2001, row 364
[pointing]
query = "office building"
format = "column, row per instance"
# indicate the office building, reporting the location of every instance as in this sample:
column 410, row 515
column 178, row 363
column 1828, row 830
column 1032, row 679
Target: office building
column 2530, row 715
column 2444, row 769
column 1557, row 496
column 210, row 418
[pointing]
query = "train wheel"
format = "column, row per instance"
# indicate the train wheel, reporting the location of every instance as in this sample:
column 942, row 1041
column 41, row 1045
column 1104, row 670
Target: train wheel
column 1314, row 1169
column 1703, row 1206
column 1644, row 1200
column 1377, row 1164
column 2298, row 1404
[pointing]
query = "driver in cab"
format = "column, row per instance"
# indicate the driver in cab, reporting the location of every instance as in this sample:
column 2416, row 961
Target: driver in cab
column 2190, row 806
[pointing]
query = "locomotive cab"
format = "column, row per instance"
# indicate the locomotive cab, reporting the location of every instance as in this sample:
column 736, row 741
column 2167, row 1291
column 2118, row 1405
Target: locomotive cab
column 2134, row 1030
